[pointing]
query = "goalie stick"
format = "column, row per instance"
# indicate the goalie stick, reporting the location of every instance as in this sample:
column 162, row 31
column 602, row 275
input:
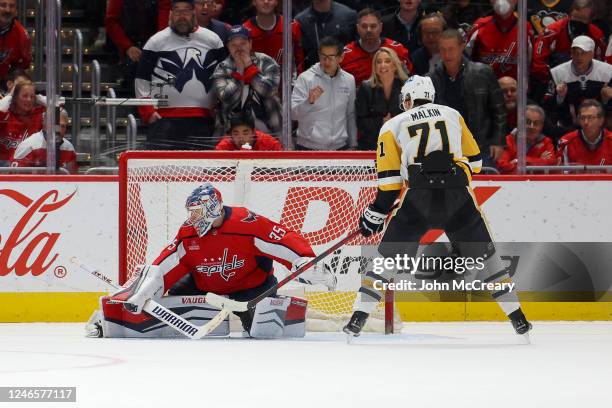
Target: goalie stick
column 160, row 312
column 235, row 306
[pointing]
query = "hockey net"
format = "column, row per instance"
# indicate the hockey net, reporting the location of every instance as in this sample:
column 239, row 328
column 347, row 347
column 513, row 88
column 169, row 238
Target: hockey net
column 319, row 194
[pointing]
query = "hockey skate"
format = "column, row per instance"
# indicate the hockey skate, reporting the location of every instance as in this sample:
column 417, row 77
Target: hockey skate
column 520, row 324
column 354, row 326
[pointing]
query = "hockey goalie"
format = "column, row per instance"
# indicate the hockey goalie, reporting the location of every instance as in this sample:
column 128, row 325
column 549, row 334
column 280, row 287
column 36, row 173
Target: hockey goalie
column 220, row 249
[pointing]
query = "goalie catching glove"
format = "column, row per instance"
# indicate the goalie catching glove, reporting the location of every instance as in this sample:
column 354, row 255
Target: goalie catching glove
column 148, row 285
column 317, row 274
column 371, row 221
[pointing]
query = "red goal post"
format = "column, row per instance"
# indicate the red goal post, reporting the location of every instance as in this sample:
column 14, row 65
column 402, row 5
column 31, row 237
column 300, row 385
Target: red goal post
column 320, row 194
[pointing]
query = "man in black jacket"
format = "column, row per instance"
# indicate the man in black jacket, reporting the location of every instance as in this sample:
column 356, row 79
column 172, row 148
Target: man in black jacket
column 403, row 25
column 322, row 19
column 472, row 89
column 426, row 57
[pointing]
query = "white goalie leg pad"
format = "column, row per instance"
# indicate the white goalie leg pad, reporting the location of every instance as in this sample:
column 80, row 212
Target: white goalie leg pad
column 117, row 322
column 148, row 285
column 281, row 316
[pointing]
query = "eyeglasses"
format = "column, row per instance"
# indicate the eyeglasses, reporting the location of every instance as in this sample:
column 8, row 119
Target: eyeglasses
column 588, row 118
column 328, row 57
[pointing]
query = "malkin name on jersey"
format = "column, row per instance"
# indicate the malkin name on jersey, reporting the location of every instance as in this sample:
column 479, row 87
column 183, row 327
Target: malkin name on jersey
column 425, row 113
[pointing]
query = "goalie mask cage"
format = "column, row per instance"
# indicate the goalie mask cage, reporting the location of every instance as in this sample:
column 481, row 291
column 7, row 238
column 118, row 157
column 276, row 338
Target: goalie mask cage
column 320, row 194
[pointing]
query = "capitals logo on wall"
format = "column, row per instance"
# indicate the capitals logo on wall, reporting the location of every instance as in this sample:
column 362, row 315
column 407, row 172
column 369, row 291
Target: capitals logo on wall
column 28, row 236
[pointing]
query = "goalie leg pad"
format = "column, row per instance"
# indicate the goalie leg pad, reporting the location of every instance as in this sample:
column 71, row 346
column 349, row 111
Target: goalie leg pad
column 117, row 322
column 148, row 285
column 277, row 317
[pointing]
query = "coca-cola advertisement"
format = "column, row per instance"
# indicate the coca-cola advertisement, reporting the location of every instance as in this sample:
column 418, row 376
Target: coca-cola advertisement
column 43, row 225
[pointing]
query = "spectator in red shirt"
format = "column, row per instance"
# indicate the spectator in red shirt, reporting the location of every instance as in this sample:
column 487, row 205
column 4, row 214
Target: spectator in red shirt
column 15, row 44
column 540, row 148
column 358, row 54
column 32, row 152
column 266, row 29
column 493, row 39
column 592, row 143
column 244, row 136
column 553, row 47
column 23, row 118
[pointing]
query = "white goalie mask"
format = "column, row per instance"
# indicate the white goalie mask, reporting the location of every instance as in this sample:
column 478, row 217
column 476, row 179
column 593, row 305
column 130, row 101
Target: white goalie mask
column 204, row 206
column 417, row 87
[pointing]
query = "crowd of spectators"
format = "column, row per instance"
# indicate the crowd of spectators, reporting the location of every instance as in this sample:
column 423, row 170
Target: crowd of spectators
column 219, row 66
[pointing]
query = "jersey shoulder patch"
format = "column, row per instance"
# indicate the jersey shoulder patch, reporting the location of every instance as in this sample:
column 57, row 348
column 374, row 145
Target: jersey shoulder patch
column 242, row 221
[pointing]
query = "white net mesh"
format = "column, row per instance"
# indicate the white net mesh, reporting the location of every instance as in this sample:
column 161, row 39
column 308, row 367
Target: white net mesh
column 321, row 198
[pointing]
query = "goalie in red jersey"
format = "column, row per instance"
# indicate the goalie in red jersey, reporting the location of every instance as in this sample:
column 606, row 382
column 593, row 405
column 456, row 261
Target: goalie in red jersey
column 226, row 251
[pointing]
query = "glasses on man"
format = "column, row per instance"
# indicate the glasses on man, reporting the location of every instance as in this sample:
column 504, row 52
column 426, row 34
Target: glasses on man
column 327, row 57
column 588, row 118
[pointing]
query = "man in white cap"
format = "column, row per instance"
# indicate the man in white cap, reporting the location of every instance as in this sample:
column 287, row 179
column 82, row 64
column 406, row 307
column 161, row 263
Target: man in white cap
column 574, row 81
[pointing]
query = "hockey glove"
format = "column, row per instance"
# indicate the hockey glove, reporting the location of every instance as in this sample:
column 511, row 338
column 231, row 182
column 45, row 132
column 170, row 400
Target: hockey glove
column 149, row 285
column 318, row 274
column 371, row 221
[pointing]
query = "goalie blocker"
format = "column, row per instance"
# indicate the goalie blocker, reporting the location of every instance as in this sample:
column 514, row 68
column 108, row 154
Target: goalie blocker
column 273, row 317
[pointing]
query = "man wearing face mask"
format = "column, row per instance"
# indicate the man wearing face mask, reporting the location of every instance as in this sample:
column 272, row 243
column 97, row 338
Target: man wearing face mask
column 493, row 40
column 553, row 47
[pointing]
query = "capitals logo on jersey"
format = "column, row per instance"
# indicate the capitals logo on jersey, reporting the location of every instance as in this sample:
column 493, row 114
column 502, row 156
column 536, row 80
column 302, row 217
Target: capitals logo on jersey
column 178, row 67
column 251, row 217
column 221, row 266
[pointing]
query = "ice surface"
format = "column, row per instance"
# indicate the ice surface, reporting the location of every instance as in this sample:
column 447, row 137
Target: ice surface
column 439, row 365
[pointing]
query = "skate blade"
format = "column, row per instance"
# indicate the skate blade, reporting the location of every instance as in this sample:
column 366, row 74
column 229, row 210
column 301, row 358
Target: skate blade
column 526, row 338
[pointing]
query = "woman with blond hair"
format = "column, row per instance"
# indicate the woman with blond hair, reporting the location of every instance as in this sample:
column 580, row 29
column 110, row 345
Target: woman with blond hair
column 21, row 115
column 378, row 97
